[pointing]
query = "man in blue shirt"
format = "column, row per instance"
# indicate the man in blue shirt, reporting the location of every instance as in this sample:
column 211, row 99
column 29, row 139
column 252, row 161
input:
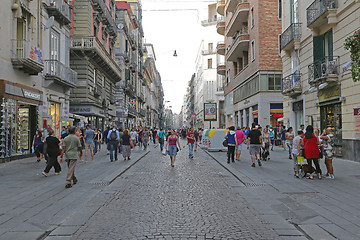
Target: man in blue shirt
column 114, row 142
column 161, row 138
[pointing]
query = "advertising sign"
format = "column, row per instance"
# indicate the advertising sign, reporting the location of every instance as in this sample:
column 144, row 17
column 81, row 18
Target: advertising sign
column 193, row 116
column 210, row 112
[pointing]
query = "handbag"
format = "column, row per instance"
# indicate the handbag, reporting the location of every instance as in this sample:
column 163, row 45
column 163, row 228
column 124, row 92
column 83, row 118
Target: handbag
column 300, row 160
column 177, row 149
column 321, row 152
column 164, row 152
column 225, row 143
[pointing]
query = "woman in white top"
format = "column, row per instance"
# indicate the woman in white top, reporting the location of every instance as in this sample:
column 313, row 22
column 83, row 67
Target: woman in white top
column 296, row 150
column 289, row 136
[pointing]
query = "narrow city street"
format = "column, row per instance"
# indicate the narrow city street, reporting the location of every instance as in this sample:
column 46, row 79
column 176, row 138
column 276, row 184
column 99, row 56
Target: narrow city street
column 200, row 198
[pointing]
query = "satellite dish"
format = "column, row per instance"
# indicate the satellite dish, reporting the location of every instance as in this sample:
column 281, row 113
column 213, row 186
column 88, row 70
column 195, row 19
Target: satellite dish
column 120, row 26
column 49, row 22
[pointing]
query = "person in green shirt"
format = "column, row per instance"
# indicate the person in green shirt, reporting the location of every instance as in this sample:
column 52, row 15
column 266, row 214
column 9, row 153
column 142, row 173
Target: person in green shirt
column 71, row 149
column 161, row 135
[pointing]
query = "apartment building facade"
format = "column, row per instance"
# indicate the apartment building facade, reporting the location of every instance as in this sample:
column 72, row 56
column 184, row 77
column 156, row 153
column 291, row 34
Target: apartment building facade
column 253, row 66
column 92, row 54
column 317, row 83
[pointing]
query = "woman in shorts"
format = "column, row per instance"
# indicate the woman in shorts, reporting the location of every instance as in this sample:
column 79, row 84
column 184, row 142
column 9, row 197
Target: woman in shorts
column 171, row 143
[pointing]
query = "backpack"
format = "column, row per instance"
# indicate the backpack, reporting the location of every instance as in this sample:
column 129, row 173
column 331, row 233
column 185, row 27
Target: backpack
column 113, row 135
column 271, row 133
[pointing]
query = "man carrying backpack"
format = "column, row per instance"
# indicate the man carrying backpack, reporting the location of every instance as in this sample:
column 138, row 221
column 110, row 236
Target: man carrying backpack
column 272, row 137
column 114, row 142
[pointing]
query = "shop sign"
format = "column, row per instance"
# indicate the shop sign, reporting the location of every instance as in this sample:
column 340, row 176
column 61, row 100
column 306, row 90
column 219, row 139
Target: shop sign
column 357, row 122
column 193, row 116
column 85, row 109
column 255, row 116
column 210, row 111
column 21, row 92
column 329, row 93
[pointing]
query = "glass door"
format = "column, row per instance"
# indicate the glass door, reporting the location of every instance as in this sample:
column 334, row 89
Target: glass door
column 23, row 130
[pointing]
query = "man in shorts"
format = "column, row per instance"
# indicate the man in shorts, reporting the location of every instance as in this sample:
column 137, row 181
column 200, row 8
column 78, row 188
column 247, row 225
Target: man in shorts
column 254, row 144
column 240, row 137
column 89, row 142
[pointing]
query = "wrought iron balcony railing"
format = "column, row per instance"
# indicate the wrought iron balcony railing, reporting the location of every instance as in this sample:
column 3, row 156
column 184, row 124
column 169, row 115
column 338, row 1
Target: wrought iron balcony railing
column 209, row 51
column 291, row 33
column 56, row 69
column 317, row 8
column 208, row 22
column 327, row 68
column 291, row 84
column 27, row 57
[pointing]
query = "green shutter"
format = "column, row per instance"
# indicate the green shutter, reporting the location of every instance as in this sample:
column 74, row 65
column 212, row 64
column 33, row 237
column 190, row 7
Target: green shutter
column 330, row 44
column 291, row 11
column 127, row 75
column 318, row 48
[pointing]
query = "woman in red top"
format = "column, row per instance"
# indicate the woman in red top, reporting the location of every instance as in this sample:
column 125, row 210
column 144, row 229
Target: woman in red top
column 311, row 146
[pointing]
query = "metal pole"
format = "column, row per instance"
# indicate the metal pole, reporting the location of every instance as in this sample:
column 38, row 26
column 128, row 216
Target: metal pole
column 210, row 124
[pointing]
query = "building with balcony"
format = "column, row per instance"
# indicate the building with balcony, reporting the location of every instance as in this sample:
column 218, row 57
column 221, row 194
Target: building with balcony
column 317, row 84
column 210, row 69
column 58, row 78
column 252, row 63
column 21, row 64
column 92, row 56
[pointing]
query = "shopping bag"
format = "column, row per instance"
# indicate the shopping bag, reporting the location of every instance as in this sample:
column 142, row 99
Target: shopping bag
column 300, row 161
column 164, row 152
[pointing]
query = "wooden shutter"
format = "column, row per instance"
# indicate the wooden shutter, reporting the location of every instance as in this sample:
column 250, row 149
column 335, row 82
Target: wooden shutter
column 330, row 44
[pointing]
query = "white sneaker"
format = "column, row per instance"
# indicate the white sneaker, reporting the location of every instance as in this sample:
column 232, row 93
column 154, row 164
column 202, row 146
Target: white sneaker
column 332, row 176
column 329, row 176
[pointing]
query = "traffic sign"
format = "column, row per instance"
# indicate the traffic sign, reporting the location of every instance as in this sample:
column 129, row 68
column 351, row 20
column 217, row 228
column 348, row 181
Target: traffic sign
column 193, row 115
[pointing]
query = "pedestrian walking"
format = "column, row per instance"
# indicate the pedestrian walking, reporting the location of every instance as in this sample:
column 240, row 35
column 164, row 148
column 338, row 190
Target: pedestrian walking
column 38, row 145
column 89, row 142
column 161, row 135
column 121, row 133
column 254, row 144
column 97, row 140
column 154, row 133
column 140, row 136
column 171, row 143
column 52, row 151
column 126, row 144
column 114, row 142
column 71, row 149
column 196, row 133
column 289, row 136
column 297, row 147
column 145, row 137
column 133, row 135
column 266, row 144
column 231, row 144
column 106, row 140
column 328, row 143
column 240, row 137
column 64, row 132
column 283, row 137
column 200, row 135
column 79, row 134
column 311, row 147
column 190, row 141
column 272, row 137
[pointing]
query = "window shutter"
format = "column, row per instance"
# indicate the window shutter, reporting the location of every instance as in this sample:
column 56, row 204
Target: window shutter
column 330, row 45
column 318, row 48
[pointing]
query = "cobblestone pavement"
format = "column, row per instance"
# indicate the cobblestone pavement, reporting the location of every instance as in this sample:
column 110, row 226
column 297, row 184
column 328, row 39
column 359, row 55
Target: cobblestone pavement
column 193, row 200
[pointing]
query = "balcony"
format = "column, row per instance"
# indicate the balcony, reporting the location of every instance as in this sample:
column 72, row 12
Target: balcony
column 231, row 5
column 220, row 48
column 209, row 52
column 141, row 97
column 132, row 111
column 142, row 112
column 290, row 38
column 238, row 19
column 209, row 22
column 324, row 70
column 291, row 85
column 220, row 26
column 321, row 12
column 92, row 48
column 55, row 71
column 129, row 88
column 221, row 68
column 100, row 6
column 26, row 57
column 60, row 9
column 112, row 99
column 141, row 51
column 220, row 7
column 239, row 45
column 97, row 90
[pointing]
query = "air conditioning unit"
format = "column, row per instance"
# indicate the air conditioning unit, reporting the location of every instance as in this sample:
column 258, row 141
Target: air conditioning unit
column 332, row 67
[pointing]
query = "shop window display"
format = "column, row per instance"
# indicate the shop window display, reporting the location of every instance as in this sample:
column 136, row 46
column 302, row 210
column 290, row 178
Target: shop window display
column 23, row 130
column 7, row 127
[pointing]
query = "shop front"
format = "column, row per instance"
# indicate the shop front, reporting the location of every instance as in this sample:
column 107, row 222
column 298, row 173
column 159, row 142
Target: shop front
column 93, row 115
column 276, row 114
column 19, row 116
column 255, row 114
column 298, row 109
column 331, row 114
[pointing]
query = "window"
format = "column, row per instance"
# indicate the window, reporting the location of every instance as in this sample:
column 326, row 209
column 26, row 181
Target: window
column 294, row 11
column 270, row 81
column 103, row 81
column 94, row 77
column 54, row 45
column 210, row 46
column 253, row 50
column 227, row 76
column 210, row 63
column 279, row 9
column 279, row 44
column 252, row 17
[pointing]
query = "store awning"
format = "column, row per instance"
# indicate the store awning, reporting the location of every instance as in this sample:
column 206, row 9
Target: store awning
column 76, row 116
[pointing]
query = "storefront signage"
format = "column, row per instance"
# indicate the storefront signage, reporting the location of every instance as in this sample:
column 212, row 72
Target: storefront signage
column 210, row 111
column 193, row 116
column 87, row 109
column 357, row 122
column 21, row 92
column 329, row 93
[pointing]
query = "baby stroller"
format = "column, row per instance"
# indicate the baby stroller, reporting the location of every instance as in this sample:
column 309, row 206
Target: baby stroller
column 304, row 168
column 265, row 152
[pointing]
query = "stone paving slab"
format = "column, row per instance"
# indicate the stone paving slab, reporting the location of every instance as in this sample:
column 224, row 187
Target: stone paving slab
column 330, row 205
column 32, row 205
column 193, row 200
